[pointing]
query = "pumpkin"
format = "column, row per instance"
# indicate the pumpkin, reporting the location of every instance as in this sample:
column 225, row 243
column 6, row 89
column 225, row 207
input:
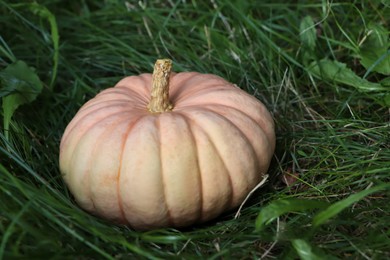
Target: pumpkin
column 166, row 150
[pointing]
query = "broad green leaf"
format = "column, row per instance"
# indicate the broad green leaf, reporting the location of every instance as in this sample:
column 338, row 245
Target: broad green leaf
column 19, row 85
column 340, row 73
column 385, row 82
column 339, row 206
column 374, row 52
column 308, row 252
column 280, row 207
column 386, row 100
column 382, row 99
column 308, row 33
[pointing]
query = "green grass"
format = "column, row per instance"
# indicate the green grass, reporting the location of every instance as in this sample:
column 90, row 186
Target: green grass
column 333, row 134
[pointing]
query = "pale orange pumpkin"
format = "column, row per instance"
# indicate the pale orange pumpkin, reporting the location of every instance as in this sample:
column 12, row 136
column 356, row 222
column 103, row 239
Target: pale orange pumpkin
column 169, row 155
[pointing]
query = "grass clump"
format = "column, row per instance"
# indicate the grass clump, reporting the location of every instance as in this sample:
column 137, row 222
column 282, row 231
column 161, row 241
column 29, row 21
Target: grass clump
column 321, row 68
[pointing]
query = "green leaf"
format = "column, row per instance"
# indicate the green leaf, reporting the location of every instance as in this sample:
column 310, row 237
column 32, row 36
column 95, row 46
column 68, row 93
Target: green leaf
column 340, row 73
column 308, row 33
column 308, row 252
column 302, row 153
column 280, row 207
column 19, row 85
column 386, row 100
column 385, row 82
column 374, row 52
column 337, row 207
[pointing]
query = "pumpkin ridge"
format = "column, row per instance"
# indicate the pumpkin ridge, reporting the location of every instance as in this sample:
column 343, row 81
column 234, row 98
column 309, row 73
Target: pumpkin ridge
column 98, row 107
column 72, row 157
column 240, row 111
column 99, row 141
column 231, row 122
column 219, row 155
column 221, row 105
column 120, row 102
column 87, row 173
column 262, row 123
column 120, row 201
column 183, row 98
column 256, row 123
column 74, row 126
column 120, row 91
column 209, row 90
column 186, row 119
column 169, row 216
column 190, row 79
column 145, row 78
column 125, row 92
column 80, row 118
column 225, row 166
column 143, row 81
column 101, row 101
column 177, row 90
column 249, row 144
column 242, row 134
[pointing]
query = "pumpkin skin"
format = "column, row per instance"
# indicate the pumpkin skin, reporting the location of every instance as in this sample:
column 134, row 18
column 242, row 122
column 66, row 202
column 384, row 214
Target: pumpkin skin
column 170, row 169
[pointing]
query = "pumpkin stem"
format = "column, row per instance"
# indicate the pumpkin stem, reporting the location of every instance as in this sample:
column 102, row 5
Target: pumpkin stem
column 159, row 101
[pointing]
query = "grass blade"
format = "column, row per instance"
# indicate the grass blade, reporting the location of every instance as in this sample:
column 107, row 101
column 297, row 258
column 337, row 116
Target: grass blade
column 6, row 50
column 280, row 207
column 308, row 33
column 339, row 206
column 11, row 226
column 44, row 13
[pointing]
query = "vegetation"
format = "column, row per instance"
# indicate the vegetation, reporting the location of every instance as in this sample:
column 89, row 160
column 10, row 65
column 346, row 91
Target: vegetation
column 321, row 67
